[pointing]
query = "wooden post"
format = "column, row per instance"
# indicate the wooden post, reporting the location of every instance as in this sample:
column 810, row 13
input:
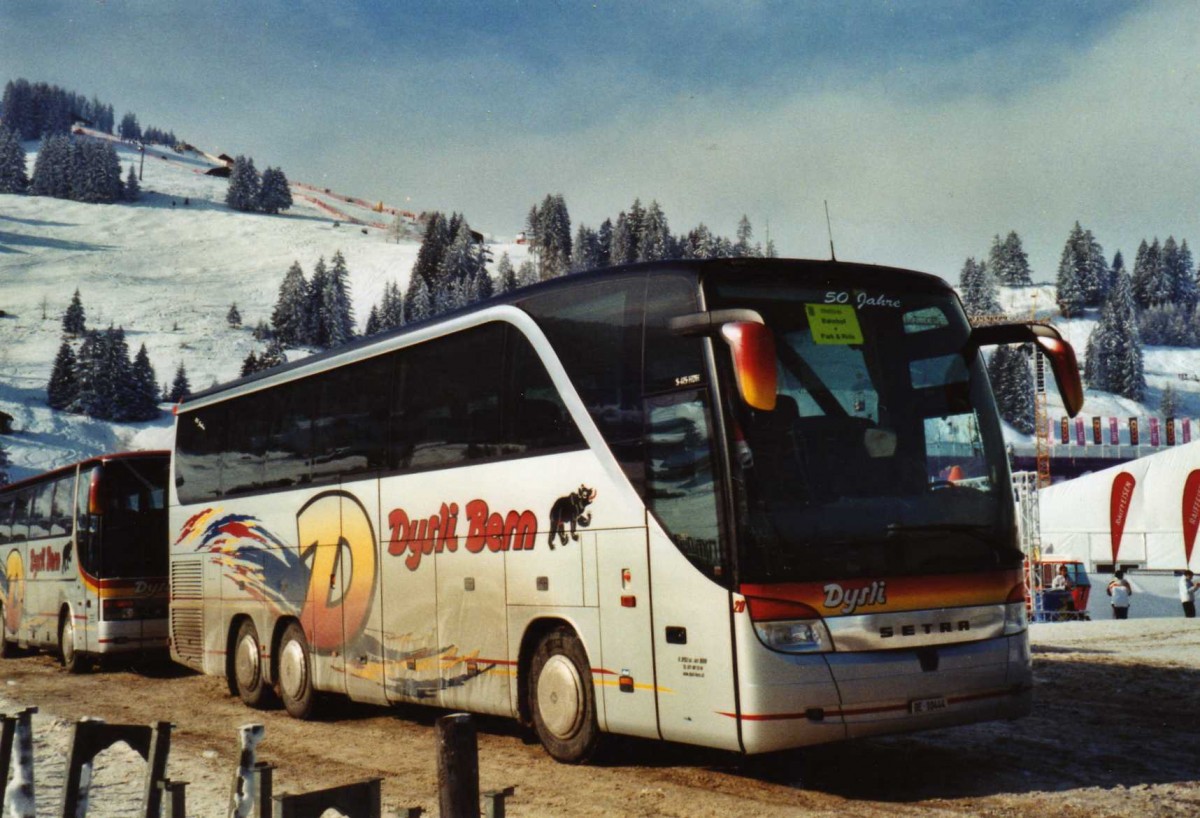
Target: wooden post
column 458, row 766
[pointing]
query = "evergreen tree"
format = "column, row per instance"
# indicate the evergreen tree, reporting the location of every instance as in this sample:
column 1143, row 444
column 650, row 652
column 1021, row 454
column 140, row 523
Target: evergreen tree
column 180, row 388
column 1012, row 384
column 13, row 175
column 526, row 274
column 1149, row 285
column 604, row 243
column 129, row 130
column 1178, row 284
column 623, row 248
column 133, row 190
column 1113, row 361
column 233, row 318
column 585, row 254
column 244, row 185
column 273, row 355
column 1168, row 403
column 336, row 303
column 290, row 316
column 391, row 310
column 418, row 304
column 1008, row 261
column 396, row 229
column 63, row 389
column 373, row 326
column 428, row 265
column 317, row 332
column 656, row 235
column 978, row 290
column 249, row 364
column 506, row 274
column 52, row 168
column 1070, row 289
column 261, row 331
column 275, row 194
column 745, row 234
column 699, row 242
column 140, row 399
column 553, row 238
column 74, row 320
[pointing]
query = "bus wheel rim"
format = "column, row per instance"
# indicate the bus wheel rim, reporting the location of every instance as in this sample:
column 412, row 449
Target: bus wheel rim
column 560, row 697
column 293, row 670
column 247, row 663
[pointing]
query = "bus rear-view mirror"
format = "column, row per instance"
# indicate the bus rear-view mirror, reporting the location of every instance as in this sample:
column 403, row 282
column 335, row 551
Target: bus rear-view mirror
column 753, row 349
column 1050, row 343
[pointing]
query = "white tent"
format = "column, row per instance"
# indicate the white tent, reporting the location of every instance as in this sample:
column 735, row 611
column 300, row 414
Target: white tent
column 1144, row 513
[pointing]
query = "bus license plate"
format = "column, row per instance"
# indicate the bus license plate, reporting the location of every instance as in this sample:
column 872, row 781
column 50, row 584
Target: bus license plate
column 918, row 706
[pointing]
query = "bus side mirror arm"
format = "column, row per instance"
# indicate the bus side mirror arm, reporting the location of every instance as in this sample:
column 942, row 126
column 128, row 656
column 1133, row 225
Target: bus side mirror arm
column 1049, row 342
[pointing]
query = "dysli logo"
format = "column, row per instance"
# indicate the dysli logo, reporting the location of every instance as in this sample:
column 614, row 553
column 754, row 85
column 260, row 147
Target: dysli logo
column 851, row 599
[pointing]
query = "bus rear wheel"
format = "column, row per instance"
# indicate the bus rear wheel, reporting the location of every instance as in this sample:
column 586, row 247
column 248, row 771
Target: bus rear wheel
column 245, row 667
column 7, row 649
column 295, row 673
column 562, row 698
column 72, row 660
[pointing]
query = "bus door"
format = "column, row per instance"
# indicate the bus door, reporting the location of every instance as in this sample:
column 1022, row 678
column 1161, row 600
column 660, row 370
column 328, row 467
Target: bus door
column 85, row 547
column 693, row 637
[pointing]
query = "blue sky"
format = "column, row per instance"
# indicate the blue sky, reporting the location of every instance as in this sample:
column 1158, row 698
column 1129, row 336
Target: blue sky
column 928, row 126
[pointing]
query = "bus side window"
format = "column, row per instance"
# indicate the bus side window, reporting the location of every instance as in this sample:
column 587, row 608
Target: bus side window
column 289, row 439
column 60, row 508
column 680, row 488
column 85, row 524
column 6, row 514
column 199, row 439
column 39, row 518
column 20, row 526
column 351, row 430
column 537, row 419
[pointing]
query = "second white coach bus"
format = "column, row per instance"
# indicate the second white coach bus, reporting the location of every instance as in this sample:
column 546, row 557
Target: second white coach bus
column 748, row 504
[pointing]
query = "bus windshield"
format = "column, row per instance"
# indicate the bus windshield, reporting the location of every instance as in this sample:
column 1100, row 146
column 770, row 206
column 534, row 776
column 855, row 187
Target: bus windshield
column 134, row 518
column 883, row 455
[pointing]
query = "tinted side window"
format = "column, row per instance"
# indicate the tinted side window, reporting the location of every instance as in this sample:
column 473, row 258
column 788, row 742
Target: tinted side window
column 596, row 331
column 199, row 441
column 6, row 511
column 351, row 425
column 61, row 517
column 39, row 517
column 290, row 436
column 20, row 526
column 536, row 419
column 672, row 360
column 448, row 391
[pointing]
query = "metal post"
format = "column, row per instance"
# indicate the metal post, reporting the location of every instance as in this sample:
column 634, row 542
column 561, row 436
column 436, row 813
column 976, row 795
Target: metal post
column 178, row 799
column 493, row 802
column 19, row 795
column 458, row 766
column 244, row 799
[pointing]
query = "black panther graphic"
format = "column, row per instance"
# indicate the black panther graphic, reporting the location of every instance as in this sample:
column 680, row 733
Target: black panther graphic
column 570, row 510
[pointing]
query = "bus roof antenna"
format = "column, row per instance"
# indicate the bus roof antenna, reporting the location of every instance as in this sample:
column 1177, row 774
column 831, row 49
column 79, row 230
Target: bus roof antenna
column 829, row 227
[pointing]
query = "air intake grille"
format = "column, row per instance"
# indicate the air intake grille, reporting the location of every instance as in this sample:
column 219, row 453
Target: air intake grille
column 187, row 579
column 187, row 633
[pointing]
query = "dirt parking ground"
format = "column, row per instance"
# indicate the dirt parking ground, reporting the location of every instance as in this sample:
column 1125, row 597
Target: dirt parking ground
column 1116, row 732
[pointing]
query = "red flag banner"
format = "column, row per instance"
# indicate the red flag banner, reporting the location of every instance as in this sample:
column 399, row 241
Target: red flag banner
column 1154, row 438
column 1097, row 436
column 1122, row 496
column 1133, row 432
column 1114, row 436
column 1191, row 514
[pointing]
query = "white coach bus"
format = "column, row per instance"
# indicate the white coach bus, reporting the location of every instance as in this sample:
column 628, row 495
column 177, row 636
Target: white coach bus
column 83, row 567
column 748, row 504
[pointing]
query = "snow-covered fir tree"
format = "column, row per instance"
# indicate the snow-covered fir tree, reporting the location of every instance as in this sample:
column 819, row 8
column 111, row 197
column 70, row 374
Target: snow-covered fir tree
column 656, row 243
column 244, row 185
column 274, row 194
column 63, row 389
column 624, row 247
column 74, row 321
column 1012, row 384
column 1168, row 402
column 585, row 253
column 52, row 168
column 273, row 355
column 978, row 290
column 1008, row 261
column 290, row 318
column 1149, row 284
column 180, row 387
column 336, row 304
column 1071, row 290
column 140, row 397
column 1113, row 361
column 427, row 268
column 553, row 242
column 133, row 190
column 249, row 364
column 233, row 318
column 526, row 274
column 418, row 303
column 372, row 326
column 743, row 247
column 604, row 240
column 13, row 176
column 391, row 308
column 1179, row 273
column 129, row 129
column 317, row 331
column 505, row 274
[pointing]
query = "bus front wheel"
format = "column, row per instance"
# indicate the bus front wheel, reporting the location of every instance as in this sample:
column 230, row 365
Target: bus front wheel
column 295, row 673
column 246, row 676
column 72, row 660
column 562, row 698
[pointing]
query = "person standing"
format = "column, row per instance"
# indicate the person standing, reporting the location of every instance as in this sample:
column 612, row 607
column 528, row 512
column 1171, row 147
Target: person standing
column 1120, row 592
column 1187, row 593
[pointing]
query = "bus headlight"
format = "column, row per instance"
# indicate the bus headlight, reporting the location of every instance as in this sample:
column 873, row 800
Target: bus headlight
column 790, row 627
column 1015, row 618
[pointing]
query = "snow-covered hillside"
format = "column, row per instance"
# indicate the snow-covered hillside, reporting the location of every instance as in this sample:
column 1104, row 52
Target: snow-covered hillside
column 168, row 267
column 167, row 273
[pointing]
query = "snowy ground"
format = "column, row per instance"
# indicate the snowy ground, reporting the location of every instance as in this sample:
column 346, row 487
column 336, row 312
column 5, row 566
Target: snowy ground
column 167, row 273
